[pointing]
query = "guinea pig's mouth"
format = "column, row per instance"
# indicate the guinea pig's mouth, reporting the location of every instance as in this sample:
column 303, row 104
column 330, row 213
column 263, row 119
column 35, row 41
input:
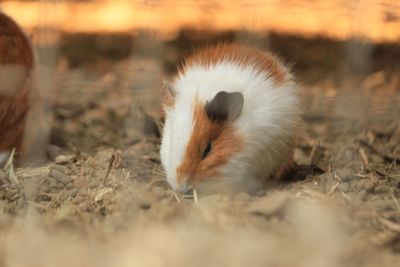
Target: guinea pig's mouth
column 188, row 187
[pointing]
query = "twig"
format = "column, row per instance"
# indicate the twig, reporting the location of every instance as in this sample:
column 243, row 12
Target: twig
column 389, row 224
column 110, row 164
column 10, row 159
column 387, row 158
column 385, row 175
column 9, row 168
column 368, row 167
column 313, row 153
column 345, row 196
column 364, row 158
column 177, row 198
column 396, row 202
column 37, row 205
column 333, row 188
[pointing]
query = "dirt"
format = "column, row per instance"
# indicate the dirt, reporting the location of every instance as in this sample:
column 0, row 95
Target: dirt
column 101, row 198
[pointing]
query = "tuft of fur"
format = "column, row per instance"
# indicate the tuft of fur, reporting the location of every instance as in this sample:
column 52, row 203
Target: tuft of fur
column 247, row 150
column 16, row 64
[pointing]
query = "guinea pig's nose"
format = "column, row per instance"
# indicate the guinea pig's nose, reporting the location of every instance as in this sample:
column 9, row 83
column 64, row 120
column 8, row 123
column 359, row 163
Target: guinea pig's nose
column 185, row 188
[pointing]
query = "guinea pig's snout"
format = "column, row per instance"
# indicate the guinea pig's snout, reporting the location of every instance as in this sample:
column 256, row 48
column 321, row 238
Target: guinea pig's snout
column 185, row 188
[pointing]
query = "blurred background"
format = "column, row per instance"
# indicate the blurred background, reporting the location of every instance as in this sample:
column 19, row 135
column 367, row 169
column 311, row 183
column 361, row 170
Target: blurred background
column 101, row 63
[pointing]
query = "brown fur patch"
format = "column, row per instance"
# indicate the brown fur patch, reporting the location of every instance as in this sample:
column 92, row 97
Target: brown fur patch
column 244, row 56
column 13, row 112
column 15, row 49
column 14, row 45
column 225, row 142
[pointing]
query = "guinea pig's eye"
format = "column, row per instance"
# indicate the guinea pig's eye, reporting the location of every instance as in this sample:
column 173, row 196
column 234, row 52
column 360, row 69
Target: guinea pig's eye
column 206, row 150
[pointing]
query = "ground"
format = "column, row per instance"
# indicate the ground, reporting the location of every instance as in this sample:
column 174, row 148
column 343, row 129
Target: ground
column 101, row 198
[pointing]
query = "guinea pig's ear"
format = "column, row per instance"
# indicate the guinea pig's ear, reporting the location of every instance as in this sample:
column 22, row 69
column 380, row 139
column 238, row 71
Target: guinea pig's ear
column 168, row 94
column 225, row 106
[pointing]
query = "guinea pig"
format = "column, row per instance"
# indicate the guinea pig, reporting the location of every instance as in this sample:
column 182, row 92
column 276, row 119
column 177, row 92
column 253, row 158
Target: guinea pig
column 16, row 64
column 231, row 120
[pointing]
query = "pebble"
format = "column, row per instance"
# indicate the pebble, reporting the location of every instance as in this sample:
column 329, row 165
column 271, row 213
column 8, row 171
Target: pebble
column 73, row 192
column 63, row 169
column 93, row 183
column 365, row 184
column 45, row 188
column 51, row 181
column 64, row 159
column 102, row 158
column 53, row 151
column 60, row 176
column 345, row 174
column 344, row 187
column 70, row 186
column 58, row 186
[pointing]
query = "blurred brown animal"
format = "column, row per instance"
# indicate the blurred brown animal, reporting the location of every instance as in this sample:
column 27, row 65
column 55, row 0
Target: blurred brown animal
column 16, row 65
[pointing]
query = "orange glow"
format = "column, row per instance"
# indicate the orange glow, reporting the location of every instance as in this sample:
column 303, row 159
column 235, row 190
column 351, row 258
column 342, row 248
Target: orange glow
column 310, row 18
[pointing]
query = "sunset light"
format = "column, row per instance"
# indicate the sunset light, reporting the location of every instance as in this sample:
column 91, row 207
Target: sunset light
column 373, row 20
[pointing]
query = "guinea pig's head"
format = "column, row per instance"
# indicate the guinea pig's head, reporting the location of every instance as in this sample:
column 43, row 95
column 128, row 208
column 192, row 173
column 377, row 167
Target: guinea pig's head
column 199, row 137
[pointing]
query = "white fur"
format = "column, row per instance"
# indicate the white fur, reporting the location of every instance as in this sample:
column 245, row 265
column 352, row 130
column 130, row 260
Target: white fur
column 268, row 121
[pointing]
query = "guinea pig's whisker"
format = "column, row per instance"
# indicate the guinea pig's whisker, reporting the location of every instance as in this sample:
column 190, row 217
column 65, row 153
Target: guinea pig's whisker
column 196, row 201
column 188, row 196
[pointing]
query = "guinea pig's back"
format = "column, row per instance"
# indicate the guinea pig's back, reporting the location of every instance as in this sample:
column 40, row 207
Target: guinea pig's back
column 241, row 56
column 16, row 64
